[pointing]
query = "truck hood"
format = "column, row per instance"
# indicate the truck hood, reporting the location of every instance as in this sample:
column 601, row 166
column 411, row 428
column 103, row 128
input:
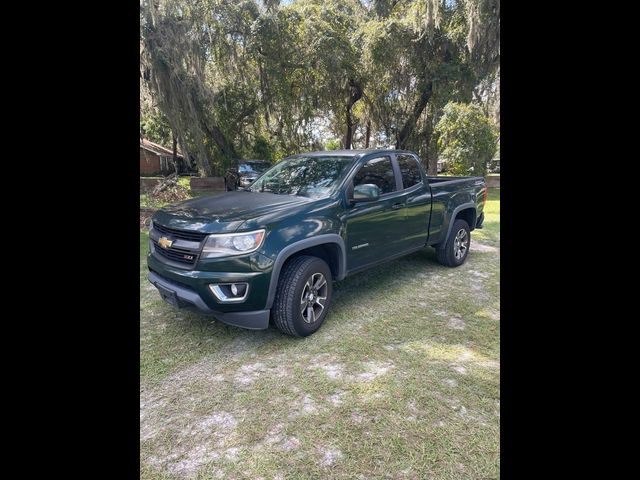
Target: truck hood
column 226, row 212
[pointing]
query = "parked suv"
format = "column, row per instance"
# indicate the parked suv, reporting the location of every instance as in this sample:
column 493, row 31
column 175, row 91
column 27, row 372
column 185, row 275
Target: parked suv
column 245, row 174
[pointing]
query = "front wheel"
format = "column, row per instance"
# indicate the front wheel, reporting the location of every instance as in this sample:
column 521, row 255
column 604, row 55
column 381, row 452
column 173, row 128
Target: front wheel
column 303, row 296
column 454, row 251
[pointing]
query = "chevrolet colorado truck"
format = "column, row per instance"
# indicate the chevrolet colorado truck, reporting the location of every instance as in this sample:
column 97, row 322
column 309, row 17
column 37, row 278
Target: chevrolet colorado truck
column 273, row 250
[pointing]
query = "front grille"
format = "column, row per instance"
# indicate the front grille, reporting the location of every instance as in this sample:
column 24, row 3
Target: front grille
column 177, row 254
column 181, row 234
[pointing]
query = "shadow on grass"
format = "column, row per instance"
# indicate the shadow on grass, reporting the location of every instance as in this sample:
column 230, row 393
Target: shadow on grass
column 373, row 282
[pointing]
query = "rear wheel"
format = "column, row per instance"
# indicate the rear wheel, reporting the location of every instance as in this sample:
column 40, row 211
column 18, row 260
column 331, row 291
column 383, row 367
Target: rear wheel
column 303, row 296
column 454, row 251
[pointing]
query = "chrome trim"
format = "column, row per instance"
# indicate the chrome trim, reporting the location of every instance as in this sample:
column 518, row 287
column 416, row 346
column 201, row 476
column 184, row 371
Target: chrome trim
column 461, row 244
column 313, row 294
column 179, row 242
column 222, row 298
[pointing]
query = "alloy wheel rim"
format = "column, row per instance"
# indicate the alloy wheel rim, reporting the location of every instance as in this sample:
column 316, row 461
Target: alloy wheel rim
column 461, row 244
column 314, row 297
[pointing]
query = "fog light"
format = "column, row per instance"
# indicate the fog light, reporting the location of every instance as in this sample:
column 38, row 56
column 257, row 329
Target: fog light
column 230, row 292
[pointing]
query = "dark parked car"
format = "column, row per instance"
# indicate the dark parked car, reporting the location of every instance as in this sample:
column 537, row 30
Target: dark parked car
column 246, row 173
column 275, row 249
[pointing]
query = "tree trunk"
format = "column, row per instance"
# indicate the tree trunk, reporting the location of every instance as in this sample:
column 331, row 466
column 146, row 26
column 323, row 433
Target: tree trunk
column 354, row 96
column 432, row 169
column 348, row 136
column 221, row 141
column 175, row 153
column 204, row 168
column 367, row 134
column 265, row 99
column 201, row 160
column 410, row 124
column 430, row 155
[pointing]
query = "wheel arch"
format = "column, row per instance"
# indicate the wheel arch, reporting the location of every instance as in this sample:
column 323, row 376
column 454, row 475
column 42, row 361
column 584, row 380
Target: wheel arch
column 329, row 247
column 467, row 212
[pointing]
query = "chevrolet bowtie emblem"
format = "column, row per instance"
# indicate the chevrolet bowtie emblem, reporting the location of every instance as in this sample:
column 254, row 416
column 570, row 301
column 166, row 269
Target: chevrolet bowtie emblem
column 164, row 242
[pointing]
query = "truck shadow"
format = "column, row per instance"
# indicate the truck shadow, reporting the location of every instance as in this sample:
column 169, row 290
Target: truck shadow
column 361, row 287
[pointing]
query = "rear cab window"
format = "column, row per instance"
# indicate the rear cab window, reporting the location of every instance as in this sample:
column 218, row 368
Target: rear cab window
column 410, row 170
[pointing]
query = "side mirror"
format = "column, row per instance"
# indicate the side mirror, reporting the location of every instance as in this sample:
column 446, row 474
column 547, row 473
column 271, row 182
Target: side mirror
column 366, row 192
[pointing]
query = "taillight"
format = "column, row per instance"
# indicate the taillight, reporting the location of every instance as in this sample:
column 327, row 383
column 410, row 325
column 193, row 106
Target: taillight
column 484, row 195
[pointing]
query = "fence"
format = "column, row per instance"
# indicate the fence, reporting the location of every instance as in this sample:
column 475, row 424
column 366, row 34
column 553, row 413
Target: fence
column 493, row 181
column 207, row 183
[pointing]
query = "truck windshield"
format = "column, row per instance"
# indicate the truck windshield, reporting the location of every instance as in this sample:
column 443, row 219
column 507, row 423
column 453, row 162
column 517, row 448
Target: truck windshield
column 313, row 177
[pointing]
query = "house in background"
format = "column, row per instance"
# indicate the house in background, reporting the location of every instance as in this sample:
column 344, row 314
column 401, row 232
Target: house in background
column 157, row 160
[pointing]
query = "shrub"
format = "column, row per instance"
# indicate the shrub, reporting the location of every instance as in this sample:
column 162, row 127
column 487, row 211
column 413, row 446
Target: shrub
column 171, row 189
column 333, row 144
column 466, row 139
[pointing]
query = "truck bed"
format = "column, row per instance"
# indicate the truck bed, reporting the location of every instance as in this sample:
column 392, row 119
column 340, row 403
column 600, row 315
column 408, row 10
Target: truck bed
column 447, row 179
column 448, row 194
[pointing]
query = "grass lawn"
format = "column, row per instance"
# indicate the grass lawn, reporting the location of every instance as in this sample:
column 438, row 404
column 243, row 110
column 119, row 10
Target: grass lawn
column 401, row 382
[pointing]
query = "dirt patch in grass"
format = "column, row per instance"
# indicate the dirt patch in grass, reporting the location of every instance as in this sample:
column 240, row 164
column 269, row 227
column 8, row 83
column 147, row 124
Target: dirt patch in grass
column 456, row 323
column 194, row 442
column 331, row 369
column 337, row 398
column 247, row 374
column 373, row 370
column 330, row 456
column 450, row 382
column 277, row 439
column 309, row 405
column 481, row 247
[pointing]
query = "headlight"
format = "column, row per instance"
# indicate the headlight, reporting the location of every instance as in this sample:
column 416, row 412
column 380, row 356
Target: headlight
column 226, row 244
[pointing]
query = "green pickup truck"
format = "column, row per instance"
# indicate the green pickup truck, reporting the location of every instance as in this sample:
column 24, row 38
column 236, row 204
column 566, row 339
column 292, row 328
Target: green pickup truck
column 273, row 250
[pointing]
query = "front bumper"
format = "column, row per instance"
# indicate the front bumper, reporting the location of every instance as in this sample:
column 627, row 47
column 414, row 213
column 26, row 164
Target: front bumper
column 246, row 182
column 185, row 288
column 181, row 296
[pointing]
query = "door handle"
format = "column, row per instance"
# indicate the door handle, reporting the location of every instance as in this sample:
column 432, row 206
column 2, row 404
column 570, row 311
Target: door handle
column 396, row 206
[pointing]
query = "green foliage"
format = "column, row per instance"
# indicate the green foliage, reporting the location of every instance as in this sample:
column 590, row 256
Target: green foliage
column 333, row 144
column 154, row 126
column 242, row 78
column 466, row 139
column 185, row 183
column 263, row 150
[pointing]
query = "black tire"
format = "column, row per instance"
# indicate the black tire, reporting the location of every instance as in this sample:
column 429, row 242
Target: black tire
column 294, row 281
column 446, row 252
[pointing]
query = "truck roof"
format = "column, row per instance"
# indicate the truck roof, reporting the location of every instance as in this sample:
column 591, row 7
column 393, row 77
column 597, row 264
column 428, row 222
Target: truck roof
column 325, row 153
